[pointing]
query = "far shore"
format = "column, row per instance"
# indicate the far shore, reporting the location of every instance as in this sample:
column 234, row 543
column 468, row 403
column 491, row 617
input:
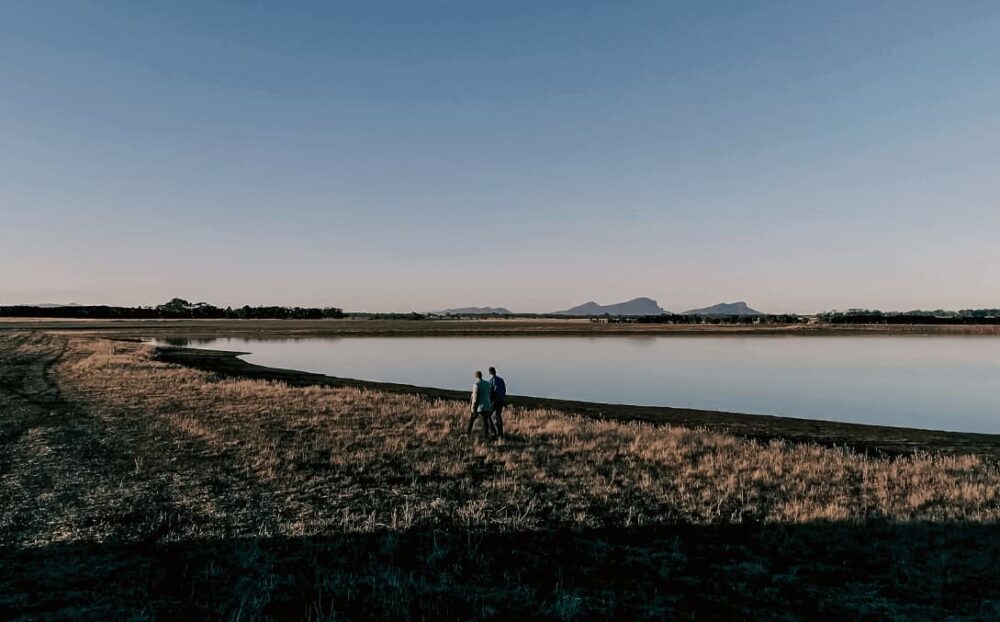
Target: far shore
column 880, row 440
column 491, row 327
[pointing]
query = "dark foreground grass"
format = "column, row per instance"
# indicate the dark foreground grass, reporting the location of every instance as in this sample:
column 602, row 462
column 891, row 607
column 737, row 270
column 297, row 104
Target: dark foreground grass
column 135, row 489
column 731, row 572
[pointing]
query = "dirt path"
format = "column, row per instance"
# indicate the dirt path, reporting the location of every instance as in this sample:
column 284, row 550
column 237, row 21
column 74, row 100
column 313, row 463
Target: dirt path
column 50, row 460
column 111, row 487
column 69, row 474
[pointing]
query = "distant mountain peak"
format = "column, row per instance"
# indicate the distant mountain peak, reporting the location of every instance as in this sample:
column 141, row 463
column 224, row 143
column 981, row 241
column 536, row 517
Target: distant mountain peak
column 725, row 308
column 636, row 306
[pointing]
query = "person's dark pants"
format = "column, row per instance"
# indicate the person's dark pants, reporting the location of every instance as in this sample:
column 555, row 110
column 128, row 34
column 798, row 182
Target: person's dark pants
column 485, row 416
column 498, row 417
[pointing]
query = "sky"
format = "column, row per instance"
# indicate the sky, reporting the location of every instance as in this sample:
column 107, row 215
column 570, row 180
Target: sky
column 396, row 156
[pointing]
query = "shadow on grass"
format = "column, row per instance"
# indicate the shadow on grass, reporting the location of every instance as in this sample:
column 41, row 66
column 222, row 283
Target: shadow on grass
column 908, row 571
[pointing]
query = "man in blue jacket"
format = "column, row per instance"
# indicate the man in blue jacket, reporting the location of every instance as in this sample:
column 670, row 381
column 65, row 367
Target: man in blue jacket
column 498, row 396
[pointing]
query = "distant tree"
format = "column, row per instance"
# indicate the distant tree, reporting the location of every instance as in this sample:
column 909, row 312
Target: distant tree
column 176, row 305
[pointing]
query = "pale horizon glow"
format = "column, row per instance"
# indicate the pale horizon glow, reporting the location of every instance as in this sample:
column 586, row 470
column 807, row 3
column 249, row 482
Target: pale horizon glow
column 396, row 156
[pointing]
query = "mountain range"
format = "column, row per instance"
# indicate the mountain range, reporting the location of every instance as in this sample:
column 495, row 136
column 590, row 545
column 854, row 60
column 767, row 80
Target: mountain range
column 636, row 306
column 725, row 308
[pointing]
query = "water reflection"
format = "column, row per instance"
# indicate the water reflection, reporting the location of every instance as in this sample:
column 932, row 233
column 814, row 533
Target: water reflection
column 182, row 342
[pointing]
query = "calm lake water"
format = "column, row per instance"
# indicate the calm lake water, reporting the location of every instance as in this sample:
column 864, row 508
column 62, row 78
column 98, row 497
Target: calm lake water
column 935, row 382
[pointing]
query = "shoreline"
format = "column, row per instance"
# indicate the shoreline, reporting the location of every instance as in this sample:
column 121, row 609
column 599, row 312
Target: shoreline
column 875, row 439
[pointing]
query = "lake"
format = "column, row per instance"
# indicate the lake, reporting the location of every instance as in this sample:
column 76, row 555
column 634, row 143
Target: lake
column 934, row 382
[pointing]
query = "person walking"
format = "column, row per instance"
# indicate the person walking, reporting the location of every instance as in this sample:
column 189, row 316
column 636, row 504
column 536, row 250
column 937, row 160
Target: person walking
column 498, row 395
column 480, row 404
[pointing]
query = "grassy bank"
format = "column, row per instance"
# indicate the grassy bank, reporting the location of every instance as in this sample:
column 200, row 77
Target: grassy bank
column 875, row 439
column 135, row 487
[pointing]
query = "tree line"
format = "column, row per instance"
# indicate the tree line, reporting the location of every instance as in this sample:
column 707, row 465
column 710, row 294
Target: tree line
column 869, row 316
column 177, row 308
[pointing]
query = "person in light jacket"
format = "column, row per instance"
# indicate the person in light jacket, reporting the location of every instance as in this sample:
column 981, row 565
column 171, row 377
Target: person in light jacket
column 480, row 404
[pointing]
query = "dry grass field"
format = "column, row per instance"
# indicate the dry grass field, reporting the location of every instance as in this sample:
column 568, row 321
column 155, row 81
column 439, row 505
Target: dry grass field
column 131, row 488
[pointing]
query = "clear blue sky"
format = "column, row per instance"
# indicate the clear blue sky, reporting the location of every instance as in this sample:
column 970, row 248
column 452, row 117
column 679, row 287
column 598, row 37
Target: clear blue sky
column 418, row 155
